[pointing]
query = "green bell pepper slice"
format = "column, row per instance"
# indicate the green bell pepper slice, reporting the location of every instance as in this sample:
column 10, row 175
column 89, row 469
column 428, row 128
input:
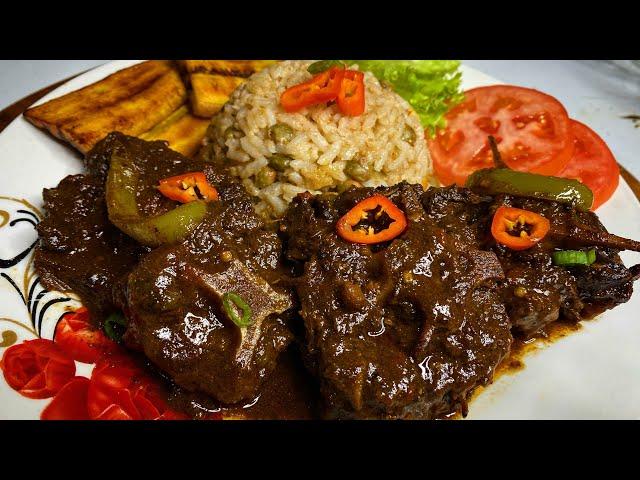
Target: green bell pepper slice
column 170, row 227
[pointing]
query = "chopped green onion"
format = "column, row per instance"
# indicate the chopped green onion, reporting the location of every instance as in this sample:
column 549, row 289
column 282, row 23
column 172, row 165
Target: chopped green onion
column 114, row 326
column 569, row 258
column 232, row 302
column 323, row 65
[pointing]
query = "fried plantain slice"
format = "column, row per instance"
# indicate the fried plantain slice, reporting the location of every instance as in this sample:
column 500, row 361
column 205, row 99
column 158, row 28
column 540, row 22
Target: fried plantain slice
column 229, row 68
column 131, row 116
column 131, row 101
column 112, row 89
column 210, row 92
column 182, row 130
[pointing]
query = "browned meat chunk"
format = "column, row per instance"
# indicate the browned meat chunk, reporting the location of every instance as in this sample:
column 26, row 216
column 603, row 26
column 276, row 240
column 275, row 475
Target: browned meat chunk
column 405, row 329
column 176, row 317
column 535, row 291
column 174, row 302
column 80, row 251
column 173, row 298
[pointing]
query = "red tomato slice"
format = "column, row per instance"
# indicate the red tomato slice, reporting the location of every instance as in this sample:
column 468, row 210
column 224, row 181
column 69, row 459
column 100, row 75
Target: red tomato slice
column 592, row 164
column 532, row 130
column 37, row 368
column 81, row 340
column 70, row 403
column 110, row 376
column 114, row 412
column 121, row 390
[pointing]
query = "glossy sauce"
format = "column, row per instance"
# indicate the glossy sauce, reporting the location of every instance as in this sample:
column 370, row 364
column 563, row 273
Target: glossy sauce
column 521, row 348
column 291, row 393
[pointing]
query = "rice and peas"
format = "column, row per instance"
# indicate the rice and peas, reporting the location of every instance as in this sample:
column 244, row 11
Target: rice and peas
column 278, row 155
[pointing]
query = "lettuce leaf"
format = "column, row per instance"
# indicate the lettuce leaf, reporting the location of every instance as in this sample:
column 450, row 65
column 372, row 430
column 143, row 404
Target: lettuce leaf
column 430, row 86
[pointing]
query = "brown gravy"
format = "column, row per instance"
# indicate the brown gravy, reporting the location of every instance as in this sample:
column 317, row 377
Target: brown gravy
column 291, row 393
column 521, row 348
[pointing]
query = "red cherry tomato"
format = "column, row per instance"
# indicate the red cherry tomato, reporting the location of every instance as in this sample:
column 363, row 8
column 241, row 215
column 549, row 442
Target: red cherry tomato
column 530, row 127
column 37, row 368
column 592, row 164
column 70, row 403
column 80, row 339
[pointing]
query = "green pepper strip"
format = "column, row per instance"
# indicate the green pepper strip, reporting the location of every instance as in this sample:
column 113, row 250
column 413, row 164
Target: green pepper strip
column 493, row 181
column 323, row 65
column 574, row 257
column 232, row 300
column 169, row 227
column 112, row 326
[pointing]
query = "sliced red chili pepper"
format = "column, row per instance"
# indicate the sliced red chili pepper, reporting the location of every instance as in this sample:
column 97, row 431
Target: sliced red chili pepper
column 351, row 96
column 518, row 229
column 321, row 88
column 373, row 220
column 188, row 187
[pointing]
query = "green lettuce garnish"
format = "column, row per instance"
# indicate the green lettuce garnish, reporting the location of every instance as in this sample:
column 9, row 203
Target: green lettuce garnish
column 431, row 87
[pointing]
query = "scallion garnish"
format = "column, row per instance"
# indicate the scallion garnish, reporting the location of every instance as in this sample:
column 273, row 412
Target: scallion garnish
column 568, row 258
column 232, row 302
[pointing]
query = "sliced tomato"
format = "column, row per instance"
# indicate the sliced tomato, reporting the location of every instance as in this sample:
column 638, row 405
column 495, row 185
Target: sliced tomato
column 532, row 130
column 80, row 339
column 110, row 375
column 592, row 164
column 70, row 403
column 37, row 368
column 114, row 412
column 122, row 390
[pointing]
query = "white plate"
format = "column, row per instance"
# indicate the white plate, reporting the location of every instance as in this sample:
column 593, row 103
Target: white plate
column 593, row 373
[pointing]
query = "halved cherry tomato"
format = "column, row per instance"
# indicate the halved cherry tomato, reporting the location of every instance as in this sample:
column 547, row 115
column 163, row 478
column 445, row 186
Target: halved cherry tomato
column 373, row 220
column 592, row 164
column 81, row 340
column 518, row 229
column 121, row 390
column 321, row 88
column 37, row 368
column 188, row 187
column 351, row 96
column 532, row 130
column 70, row 403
